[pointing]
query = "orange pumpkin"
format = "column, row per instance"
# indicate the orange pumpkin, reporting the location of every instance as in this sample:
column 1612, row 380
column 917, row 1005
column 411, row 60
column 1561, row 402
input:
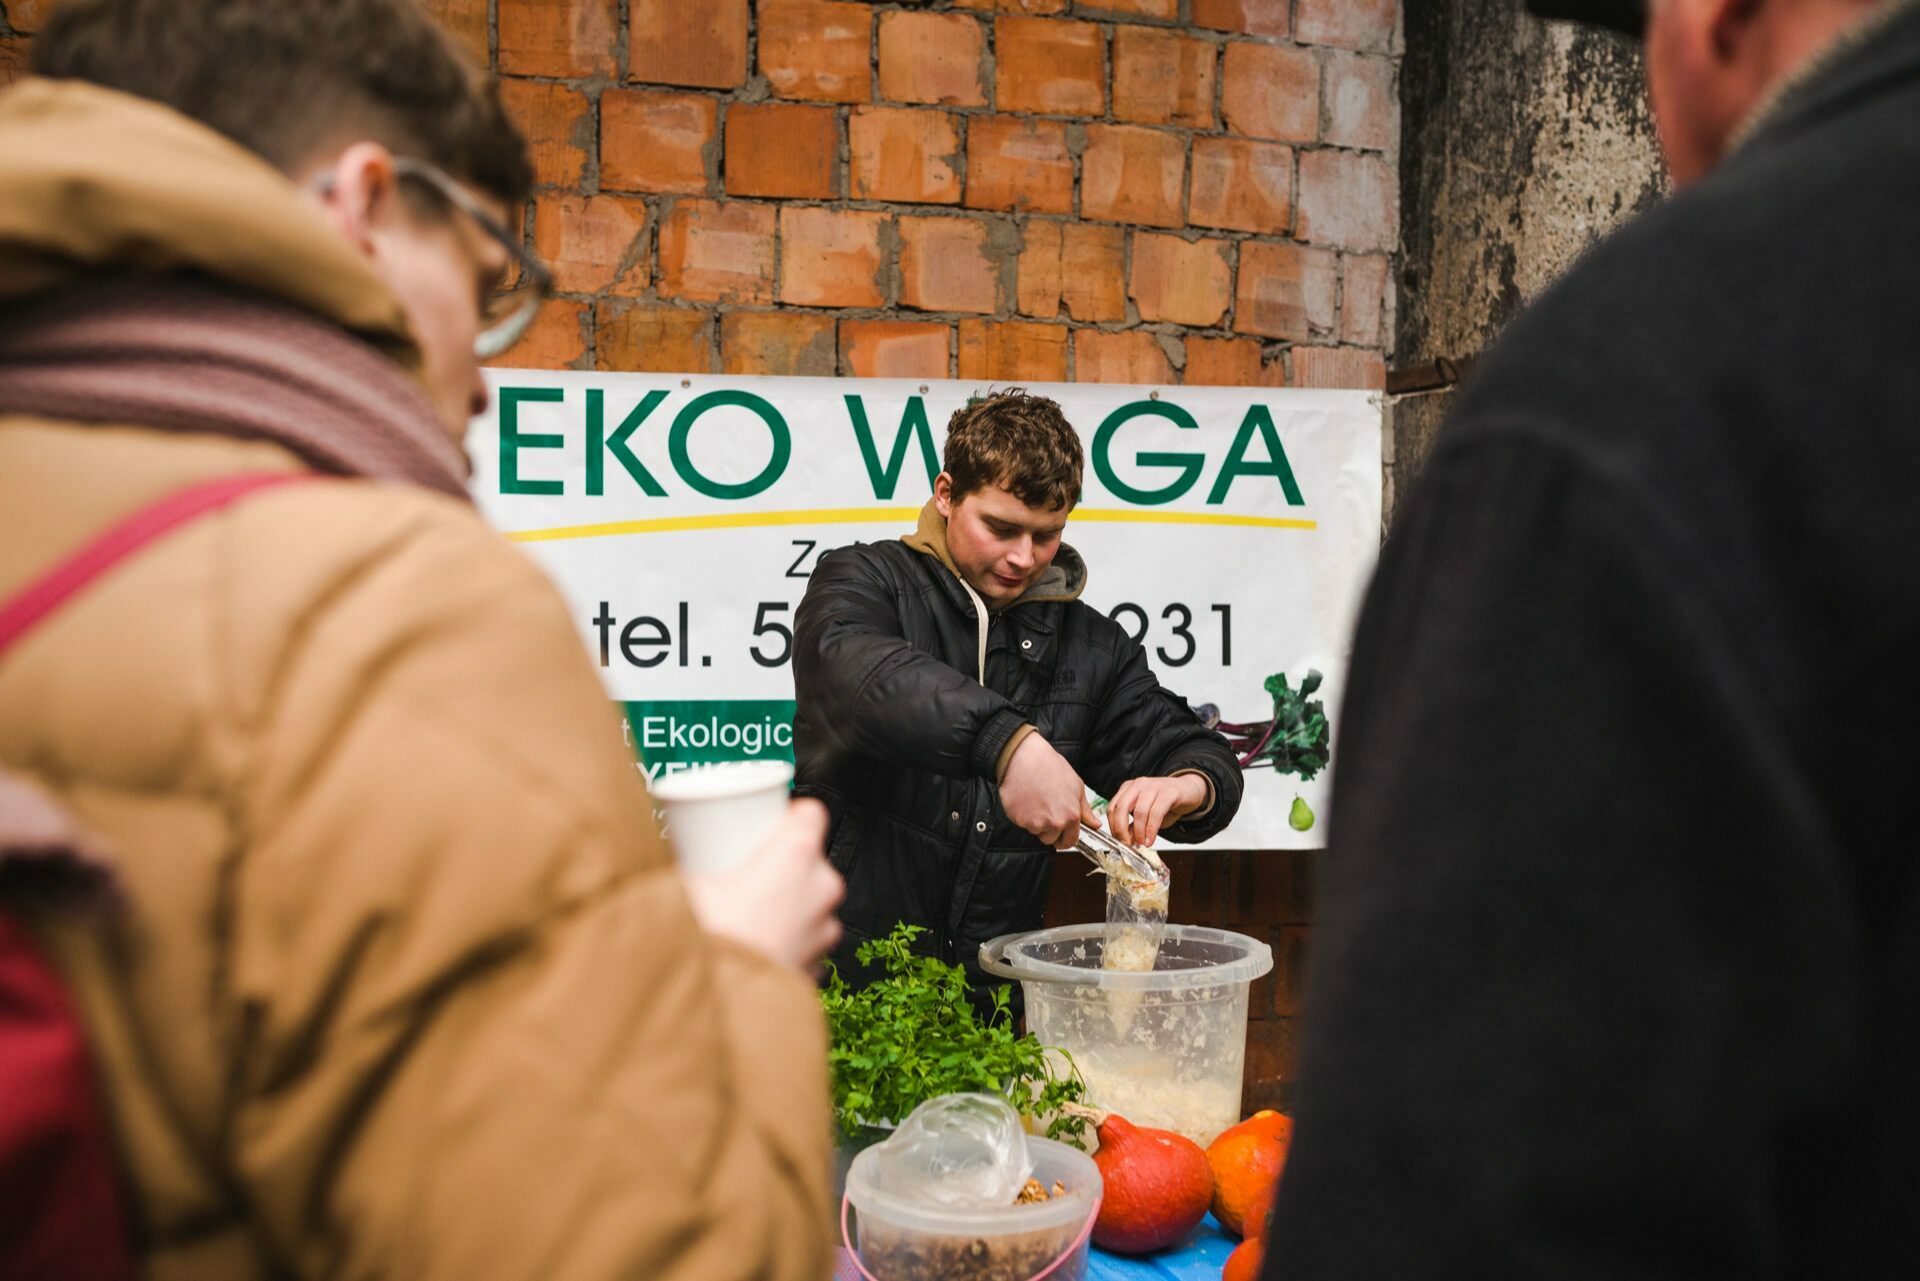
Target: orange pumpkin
column 1244, row 1263
column 1158, row 1187
column 1246, row 1161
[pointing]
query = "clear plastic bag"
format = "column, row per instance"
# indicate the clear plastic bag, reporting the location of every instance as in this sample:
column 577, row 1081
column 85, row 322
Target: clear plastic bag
column 960, row 1150
column 1136, row 922
column 1137, row 892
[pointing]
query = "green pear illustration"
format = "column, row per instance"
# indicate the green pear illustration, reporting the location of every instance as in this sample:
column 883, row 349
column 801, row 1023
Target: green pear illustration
column 1300, row 818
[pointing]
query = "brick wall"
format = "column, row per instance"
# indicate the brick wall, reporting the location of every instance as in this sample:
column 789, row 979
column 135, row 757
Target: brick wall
column 1129, row 191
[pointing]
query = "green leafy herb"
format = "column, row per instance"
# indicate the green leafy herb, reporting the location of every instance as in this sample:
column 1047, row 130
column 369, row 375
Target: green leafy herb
column 915, row 1035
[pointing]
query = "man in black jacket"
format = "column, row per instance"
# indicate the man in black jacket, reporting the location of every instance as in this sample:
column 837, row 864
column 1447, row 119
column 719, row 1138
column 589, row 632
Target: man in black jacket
column 954, row 692
column 1618, row 963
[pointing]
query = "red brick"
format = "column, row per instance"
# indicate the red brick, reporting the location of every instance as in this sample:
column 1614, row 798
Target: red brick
column 558, row 37
column 1230, row 362
column 1134, row 356
column 1286, row 291
column 1247, row 17
column 701, row 44
column 1082, row 265
column 1348, row 200
column 592, row 242
column 936, row 58
column 466, row 20
column 1185, row 282
column 650, row 338
column 902, row 154
column 1013, row 349
column 1018, row 164
column 1363, row 296
column 1035, row 8
column 894, row 348
column 778, row 343
column 1049, row 67
column 559, row 127
column 1165, row 10
column 1162, row 78
column 1347, row 24
column 1339, row 367
column 1037, row 275
column 1129, row 174
column 13, row 58
column 830, row 257
column 656, row 141
column 782, row 149
column 946, row 264
column 1241, row 185
column 557, row 339
column 817, row 49
column 1269, row 91
column 715, row 251
column 1360, row 105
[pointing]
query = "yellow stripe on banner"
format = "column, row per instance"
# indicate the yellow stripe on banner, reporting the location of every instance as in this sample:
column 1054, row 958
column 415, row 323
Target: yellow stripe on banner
column 724, row 520
column 878, row 516
column 1139, row 516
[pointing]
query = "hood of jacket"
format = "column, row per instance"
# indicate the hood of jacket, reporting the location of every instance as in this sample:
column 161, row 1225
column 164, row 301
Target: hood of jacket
column 1065, row 579
column 98, row 180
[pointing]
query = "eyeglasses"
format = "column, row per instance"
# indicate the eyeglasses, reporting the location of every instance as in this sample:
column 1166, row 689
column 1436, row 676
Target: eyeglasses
column 506, row 316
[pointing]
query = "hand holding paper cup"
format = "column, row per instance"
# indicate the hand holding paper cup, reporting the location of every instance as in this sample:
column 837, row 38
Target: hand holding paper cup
column 718, row 815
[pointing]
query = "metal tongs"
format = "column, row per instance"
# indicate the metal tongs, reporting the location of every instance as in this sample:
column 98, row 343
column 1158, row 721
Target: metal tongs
column 1120, row 861
column 1137, row 883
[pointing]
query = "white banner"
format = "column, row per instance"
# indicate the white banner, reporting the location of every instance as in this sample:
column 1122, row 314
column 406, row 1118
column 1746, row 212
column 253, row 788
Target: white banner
column 1230, row 530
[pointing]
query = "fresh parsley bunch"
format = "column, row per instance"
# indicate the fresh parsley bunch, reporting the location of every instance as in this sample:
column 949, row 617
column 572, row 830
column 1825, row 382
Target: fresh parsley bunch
column 915, row 1035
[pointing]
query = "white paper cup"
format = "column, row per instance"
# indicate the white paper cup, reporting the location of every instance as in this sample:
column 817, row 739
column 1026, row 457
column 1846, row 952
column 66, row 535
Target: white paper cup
column 718, row 814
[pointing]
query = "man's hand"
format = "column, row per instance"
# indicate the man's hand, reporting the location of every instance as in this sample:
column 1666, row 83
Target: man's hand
column 781, row 901
column 1043, row 795
column 1143, row 806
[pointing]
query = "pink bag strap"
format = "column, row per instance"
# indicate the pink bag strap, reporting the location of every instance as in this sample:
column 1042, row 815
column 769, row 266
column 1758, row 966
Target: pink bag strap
column 852, row 1255
column 57, row 585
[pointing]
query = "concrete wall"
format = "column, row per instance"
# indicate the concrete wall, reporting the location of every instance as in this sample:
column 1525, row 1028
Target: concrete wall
column 1522, row 143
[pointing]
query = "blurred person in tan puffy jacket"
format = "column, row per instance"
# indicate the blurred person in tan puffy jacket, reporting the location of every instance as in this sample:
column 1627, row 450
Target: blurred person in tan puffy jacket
column 406, row 984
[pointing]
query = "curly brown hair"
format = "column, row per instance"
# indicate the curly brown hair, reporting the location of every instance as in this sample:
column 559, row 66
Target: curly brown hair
column 1018, row 441
column 288, row 78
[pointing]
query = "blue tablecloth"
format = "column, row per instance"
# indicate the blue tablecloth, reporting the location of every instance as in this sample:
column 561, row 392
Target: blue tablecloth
column 1198, row 1258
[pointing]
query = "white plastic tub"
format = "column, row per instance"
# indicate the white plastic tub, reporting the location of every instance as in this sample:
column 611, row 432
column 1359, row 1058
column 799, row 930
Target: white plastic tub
column 1165, row 1048
column 897, row 1240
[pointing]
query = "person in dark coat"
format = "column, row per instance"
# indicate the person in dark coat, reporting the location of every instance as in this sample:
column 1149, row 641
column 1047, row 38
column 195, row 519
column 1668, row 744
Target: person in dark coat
column 954, row 692
column 1617, row 973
